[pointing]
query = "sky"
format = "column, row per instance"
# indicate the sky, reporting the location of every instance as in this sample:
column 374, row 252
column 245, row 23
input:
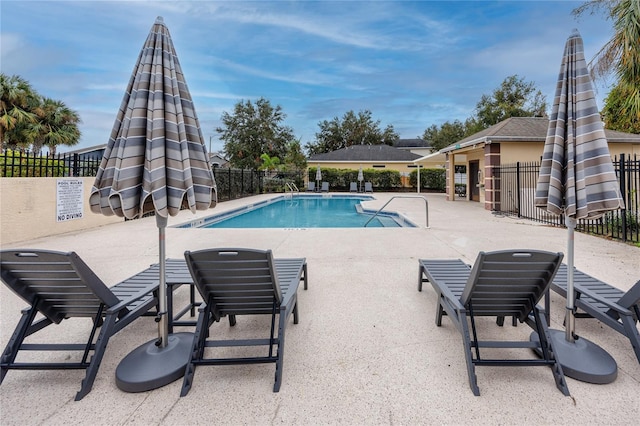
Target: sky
column 413, row 64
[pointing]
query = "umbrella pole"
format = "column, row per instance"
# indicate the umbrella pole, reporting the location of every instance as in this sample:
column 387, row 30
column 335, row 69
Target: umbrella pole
column 570, row 319
column 163, row 360
column 163, row 324
column 580, row 358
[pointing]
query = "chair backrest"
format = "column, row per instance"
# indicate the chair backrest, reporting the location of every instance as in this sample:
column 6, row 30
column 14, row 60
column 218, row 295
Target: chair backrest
column 235, row 281
column 631, row 297
column 59, row 285
column 509, row 282
column 368, row 187
column 325, row 186
column 353, row 187
column 312, row 186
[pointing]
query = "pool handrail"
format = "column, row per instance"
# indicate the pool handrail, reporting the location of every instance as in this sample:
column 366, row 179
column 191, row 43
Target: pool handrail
column 426, row 203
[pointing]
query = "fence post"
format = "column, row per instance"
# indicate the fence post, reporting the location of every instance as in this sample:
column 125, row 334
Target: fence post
column 518, row 189
column 623, row 184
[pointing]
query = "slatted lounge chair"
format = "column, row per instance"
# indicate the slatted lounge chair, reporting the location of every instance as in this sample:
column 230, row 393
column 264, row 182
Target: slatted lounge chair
column 353, row 187
column 240, row 282
column 368, row 187
column 500, row 283
column 595, row 299
column 311, row 187
column 324, row 187
column 60, row 286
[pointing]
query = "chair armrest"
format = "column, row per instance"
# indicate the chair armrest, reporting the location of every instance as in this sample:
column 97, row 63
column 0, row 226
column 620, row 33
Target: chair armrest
column 291, row 292
column 453, row 300
column 610, row 305
column 141, row 292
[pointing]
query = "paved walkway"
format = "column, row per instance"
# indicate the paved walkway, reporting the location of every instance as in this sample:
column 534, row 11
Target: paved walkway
column 366, row 350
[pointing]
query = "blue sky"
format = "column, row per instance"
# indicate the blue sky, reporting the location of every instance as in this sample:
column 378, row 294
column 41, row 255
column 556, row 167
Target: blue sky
column 412, row 64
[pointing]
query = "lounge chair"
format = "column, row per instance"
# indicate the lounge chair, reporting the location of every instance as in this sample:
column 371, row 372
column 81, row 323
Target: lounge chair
column 311, row 187
column 353, row 187
column 595, row 299
column 324, row 187
column 240, row 282
column 500, row 283
column 60, row 286
column 368, row 187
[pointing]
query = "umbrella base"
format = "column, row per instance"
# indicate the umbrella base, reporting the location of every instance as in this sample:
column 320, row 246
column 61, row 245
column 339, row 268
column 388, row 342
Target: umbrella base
column 582, row 359
column 149, row 367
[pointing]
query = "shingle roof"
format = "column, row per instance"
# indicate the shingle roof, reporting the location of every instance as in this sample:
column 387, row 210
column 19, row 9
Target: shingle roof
column 530, row 129
column 411, row 143
column 366, row 153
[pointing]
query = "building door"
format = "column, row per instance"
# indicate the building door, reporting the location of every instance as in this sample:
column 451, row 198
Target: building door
column 474, row 180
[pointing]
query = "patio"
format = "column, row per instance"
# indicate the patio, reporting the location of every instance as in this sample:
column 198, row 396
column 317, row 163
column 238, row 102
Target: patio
column 366, row 350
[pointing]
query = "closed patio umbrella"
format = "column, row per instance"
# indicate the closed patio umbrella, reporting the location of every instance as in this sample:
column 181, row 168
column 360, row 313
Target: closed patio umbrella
column 360, row 179
column 577, row 180
column 318, row 177
column 155, row 161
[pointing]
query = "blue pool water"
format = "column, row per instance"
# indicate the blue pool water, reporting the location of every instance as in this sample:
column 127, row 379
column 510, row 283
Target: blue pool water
column 301, row 211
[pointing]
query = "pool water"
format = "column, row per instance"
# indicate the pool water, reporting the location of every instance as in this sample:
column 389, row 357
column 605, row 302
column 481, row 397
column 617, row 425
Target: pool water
column 302, row 211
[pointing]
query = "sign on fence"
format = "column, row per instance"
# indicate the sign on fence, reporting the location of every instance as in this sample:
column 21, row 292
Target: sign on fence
column 69, row 199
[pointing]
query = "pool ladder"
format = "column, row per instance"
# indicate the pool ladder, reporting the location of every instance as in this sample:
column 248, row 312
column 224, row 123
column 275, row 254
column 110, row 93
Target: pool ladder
column 426, row 205
column 289, row 189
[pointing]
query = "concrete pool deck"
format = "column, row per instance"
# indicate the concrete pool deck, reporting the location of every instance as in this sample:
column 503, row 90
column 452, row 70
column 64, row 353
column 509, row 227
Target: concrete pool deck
column 366, row 350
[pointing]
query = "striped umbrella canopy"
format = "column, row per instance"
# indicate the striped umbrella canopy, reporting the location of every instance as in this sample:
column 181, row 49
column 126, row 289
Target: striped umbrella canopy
column 318, row 173
column 360, row 175
column 577, row 178
column 155, row 161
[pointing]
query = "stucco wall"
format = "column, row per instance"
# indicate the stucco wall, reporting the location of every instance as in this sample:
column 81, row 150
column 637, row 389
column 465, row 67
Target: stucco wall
column 28, row 209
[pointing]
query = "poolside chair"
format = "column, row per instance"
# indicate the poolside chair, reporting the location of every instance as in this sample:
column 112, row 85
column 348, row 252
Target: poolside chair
column 368, row 187
column 500, row 283
column 60, row 286
column 240, row 282
column 595, row 299
column 311, row 187
column 353, row 187
column 324, row 187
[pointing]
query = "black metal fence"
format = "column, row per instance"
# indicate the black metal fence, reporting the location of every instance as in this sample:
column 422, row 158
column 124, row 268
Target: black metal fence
column 516, row 185
column 231, row 183
column 20, row 164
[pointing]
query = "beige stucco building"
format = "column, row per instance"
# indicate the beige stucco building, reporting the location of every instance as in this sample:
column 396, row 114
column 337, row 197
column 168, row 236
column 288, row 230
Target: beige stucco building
column 516, row 139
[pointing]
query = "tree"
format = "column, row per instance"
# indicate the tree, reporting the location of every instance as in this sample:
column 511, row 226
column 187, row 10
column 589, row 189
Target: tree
column 253, row 130
column 28, row 120
column 513, row 98
column 17, row 99
column 56, row 125
column 614, row 115
column 445, row 135
column 621, row 54
column 350, row 130
column 269, row 163
column 295, row 159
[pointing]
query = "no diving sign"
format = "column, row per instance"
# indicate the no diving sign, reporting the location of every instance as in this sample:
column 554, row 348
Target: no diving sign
column 69, row 199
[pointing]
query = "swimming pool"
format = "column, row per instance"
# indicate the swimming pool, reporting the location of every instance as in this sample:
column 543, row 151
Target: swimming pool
column 302, row 211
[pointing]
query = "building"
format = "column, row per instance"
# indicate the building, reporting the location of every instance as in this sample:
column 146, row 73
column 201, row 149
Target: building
column 516, row 139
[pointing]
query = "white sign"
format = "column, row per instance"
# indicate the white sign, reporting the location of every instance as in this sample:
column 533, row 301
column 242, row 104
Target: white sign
column 69, row 199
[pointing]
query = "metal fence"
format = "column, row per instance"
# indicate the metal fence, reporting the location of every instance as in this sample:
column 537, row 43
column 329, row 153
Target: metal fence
column 20, row 164
column 231, row 183
column 516, row 184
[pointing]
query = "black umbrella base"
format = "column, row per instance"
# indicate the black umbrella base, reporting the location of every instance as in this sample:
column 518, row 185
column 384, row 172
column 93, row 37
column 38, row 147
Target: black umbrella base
column 149, row 367
column 582, row 359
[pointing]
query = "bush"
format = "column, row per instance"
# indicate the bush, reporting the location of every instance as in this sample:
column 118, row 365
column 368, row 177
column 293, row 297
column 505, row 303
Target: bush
column 17, row 164
column 433, row 179
column 339, row 179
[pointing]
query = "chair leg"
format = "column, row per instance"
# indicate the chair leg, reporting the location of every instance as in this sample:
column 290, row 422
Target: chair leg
column 94, row 364
column 439, row 313
column 19, row 334
column 419, row 277
column 631, row 331
column 471, row 368
column 197, row 349
column 548, row 354
column 282, row 320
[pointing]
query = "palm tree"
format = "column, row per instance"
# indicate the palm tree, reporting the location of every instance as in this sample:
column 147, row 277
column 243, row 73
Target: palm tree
column 56, row 125
column 17, row 99
column 621, row 54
